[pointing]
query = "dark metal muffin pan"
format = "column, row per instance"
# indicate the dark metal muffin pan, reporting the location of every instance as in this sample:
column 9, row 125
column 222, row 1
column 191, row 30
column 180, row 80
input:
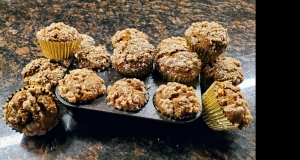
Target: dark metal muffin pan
column 148, row 111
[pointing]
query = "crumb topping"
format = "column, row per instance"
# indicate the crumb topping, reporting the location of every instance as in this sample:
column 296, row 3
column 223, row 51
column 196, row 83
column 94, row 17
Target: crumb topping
column 135, row 54
column 95, row 58
column 126, row 35
column 87, row 41
column 31, row 111
column 208, row 35
column 177, row 100
column 42, row 72
column 81, row 85
column 58, row 32
column 173, row 56
column 233, row 103
column 223, row 69
column 127, row 94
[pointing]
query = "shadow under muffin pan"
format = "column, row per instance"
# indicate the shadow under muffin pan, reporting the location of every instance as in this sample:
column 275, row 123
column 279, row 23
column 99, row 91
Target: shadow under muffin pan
column 148, row 111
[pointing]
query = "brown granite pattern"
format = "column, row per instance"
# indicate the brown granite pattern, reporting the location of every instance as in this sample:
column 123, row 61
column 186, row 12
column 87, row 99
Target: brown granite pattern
column 91, row 136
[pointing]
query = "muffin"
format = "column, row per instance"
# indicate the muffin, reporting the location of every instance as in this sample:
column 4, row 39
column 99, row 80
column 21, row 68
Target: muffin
column 221, row 69
column 87, row 41
column 127, row 94
column 134, row 58
column 94, row 58
column 126, row 35
column 59, row 41
column 31, row 110
column 81, row 86
column 176, row 100
column 225, row 107
column 208, row 39
column 174, row 62
column 43, row 72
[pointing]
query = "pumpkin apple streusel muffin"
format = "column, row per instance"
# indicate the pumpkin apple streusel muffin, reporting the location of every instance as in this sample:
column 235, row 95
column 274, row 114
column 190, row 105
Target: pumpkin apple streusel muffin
column 225, row 107
column 127, row 94
column 176, row 100
column 31, row 110
column 81, row 86
column 94, row 58
column 43, row 72
column 174, row 62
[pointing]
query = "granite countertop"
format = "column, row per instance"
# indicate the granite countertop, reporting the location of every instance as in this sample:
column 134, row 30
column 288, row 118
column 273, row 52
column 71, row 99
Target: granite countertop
column 107, row 136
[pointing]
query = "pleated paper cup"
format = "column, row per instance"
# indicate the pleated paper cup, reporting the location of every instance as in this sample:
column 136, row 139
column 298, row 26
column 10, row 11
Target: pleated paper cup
column 205, row 55
column 29, row 124
column 213, row 114
column 59, row 50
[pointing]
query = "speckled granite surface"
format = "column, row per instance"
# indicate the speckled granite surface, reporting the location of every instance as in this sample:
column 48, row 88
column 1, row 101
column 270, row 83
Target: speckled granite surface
column 105, row 136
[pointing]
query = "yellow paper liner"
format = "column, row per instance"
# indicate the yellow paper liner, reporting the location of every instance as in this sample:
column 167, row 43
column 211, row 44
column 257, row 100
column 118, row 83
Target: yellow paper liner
column 213, row 114
column 59, row 50
column 205, row 55
column 46, row 91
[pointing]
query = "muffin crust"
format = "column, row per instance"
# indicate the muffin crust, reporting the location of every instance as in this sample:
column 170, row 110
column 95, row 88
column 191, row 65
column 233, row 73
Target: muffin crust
column 126, row 35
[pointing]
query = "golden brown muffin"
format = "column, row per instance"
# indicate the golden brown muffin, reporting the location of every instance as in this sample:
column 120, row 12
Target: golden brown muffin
column 43, row 72
column 126, row 35
column 225, row 107
column 31, row 110
column 175, row 62
column 176, row 100
column 127, row 94
column 208, row 39
column 95, row 58
column 87, row 41
column 81, row 85
column 222, row 69
column 59, row 41
column 134, row 58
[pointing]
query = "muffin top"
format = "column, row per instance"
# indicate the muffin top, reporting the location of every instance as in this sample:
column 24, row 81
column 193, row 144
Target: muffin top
column 126, row 35
column 127, row 94
column 208, row 35
column 95, row 58
column 223, row 69
column 87, row 41
column 176, row 100
column 173, row 56
column 31, row 111
column 81, row 85
column 233, row 103
column 133, row 55
column 43, row 72
column 173, row 44
column 58, row 32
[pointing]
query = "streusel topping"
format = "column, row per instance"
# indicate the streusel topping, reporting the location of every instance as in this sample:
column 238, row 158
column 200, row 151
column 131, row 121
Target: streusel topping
column 58, row 32
column 81, row 85
column 126, row 35
column 127, row 94
column 95, row 58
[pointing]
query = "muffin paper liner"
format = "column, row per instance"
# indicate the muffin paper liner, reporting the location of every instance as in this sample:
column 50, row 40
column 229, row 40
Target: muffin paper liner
column 213, row 114
column 205, row 55
column 170, row 116
column 205, row 82
column 44, row 91
column 59, row 50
